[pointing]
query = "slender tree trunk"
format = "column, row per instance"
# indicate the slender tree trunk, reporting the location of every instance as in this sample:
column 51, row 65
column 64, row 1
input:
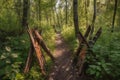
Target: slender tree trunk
column 53, row 14
column 46, row 16
column 107, row 4
column 60, row 18
column 94, row 18
column 18, row 5
column 66, row 11
column 114, row 15
column 50, row 19
column 86, row 13
column 18, row 10
column 54, row 19
column 75, row 16
column 25, row 13
column 39, row 11
column 118, row 9
column 57, row 18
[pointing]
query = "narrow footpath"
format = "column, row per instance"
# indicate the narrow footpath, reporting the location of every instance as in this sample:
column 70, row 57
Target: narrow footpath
column 62, row 70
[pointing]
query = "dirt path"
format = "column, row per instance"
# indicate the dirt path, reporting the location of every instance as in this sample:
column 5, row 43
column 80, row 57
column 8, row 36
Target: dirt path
column 62, row 69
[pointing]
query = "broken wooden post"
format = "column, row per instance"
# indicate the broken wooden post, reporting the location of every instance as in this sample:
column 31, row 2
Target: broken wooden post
column 37, row 49
column 87, row 32
column 95, row 38
column 80, row 54
column 29, row 59
column 81, row 44
column 36, row 42
column 43, row 45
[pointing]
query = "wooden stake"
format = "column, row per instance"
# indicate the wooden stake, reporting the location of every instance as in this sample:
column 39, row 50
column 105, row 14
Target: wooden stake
column 38, row 52
column 29, row 59
column 43, row 45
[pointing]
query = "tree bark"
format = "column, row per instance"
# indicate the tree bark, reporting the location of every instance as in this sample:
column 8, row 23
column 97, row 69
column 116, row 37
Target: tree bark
column 66, row 11
column 39, row 12
column 38, row 52
column 94, row 18
column 114, row 15
column 29, row 59
column 18, row 5
column 25, row 13
column 75, row 17
column 58, row 19
column 86, row 13
column 43, row 45
column 46, row 16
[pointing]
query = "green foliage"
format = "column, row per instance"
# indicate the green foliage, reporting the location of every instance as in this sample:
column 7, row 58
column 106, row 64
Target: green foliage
column 48, row 35
column 69, row 37
column 12, row 56
column 107, row 51
column 9, row 24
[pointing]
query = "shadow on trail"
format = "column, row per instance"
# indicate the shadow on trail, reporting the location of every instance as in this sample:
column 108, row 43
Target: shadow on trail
column 62, row 70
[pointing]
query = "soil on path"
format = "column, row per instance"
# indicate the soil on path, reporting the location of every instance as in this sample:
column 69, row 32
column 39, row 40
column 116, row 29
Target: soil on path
column 62, row 70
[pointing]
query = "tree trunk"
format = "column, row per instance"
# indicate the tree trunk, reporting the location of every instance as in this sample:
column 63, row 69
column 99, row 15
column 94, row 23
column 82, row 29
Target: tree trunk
column 25, row 13
column 66, row 11
column 18, row 5
column 94, row 18
column 75, row 16
column 57, row 19
column 118, row 20
column 46, row 16
column 39, row 12
column 86, row 13
column 114, row 15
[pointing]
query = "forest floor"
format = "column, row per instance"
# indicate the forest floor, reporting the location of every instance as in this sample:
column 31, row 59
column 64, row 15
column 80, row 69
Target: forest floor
column 62, row 70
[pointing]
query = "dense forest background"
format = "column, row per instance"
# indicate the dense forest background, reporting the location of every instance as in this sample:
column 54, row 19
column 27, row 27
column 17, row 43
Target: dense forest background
column 49, row 17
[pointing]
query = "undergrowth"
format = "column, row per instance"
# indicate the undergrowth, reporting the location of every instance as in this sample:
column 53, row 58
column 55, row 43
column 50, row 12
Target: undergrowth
column 13, row 55
column 69, row 37
column 107, row 51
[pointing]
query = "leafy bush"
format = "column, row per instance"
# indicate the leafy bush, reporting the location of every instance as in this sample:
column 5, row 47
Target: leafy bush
column 48, row 35
column 9, row 24
column 12, row 56
column 69, row 37
column 107, row 51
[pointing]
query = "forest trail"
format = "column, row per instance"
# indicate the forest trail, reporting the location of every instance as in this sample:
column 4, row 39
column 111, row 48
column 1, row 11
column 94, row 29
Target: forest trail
column 62, row 70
